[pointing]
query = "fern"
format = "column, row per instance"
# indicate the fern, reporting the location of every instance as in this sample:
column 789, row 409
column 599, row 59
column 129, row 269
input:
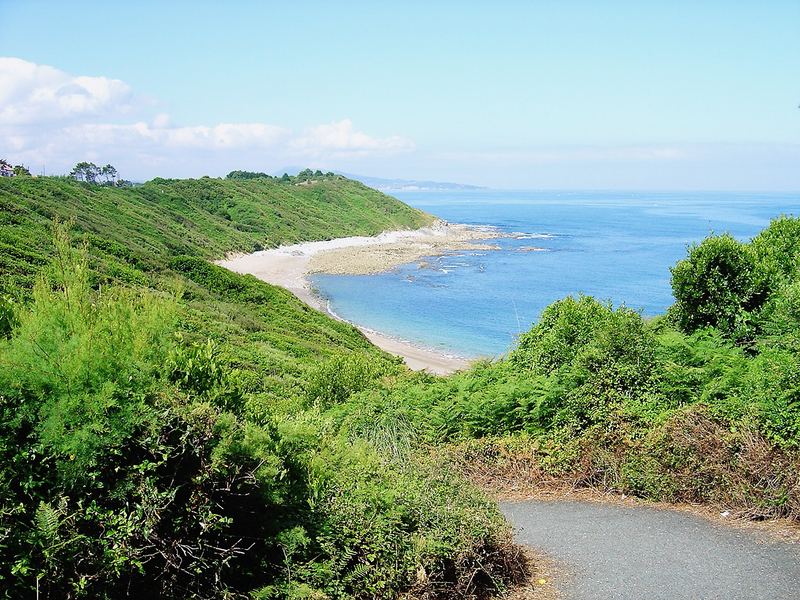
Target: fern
column 48, row 521
column 360, row 571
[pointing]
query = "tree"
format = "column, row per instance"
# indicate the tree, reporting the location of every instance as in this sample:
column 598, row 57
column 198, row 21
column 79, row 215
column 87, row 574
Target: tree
column 247, row 175
column 21, row 170
column 777, row 248
column 85, row 171
column 109, row 175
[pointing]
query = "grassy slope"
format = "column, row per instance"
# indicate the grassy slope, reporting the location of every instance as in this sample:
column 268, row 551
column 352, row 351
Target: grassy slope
column 280, row 359
column 237, row 433
column 160, row 234
column 144, row 227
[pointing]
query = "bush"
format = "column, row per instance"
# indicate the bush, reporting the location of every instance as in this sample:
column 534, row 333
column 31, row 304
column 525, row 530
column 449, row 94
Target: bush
column 335, row 380
column 563, row 329
column 779, row 320
column 777, row 250
column 455, row 542
column 79, row 360
column 720, row 284
column 596, row 359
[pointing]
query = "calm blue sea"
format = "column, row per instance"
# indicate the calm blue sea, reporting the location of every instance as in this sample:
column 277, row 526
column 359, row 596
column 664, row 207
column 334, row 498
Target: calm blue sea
column 615, row 246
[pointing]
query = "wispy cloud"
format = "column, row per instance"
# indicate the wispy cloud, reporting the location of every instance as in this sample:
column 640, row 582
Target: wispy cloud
column 340, row 139
column 222, row 136
column 572, row 154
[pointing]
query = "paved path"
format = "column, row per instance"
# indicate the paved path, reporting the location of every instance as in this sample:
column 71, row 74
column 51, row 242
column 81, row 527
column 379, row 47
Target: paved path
column 639, row 553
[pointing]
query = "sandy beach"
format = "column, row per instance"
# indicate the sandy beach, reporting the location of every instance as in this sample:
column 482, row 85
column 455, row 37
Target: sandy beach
column 289, row 267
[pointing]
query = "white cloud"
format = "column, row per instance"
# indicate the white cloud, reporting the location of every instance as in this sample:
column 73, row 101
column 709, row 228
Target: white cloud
column 49, row 116
column 31, row 93
column 340, row 139
column 222, row 136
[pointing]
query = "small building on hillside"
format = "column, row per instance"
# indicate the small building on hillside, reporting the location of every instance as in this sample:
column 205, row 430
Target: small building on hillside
column 6, row 170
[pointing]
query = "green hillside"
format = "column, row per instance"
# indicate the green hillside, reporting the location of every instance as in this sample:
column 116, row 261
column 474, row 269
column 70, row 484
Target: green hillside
column 137, row 230
column 172, row 429
column 160, row 235
column 161, row 418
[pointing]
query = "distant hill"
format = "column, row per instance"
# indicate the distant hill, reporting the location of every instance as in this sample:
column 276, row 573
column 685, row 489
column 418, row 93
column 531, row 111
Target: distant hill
column 409, row 185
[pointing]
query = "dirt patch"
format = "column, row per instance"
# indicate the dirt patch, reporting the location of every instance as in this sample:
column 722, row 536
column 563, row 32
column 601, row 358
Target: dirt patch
column 546, row 579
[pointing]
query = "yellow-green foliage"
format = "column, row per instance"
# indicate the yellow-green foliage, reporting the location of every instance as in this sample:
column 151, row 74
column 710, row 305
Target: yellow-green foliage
column 86, row 355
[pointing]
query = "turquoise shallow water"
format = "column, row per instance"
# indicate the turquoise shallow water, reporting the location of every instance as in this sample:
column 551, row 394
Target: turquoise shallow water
column 615, row 246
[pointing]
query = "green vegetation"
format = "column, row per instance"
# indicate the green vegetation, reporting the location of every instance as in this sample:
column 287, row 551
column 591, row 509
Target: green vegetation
column 174, row 429
column 306, row 175
column 133, row 233
column 162, row 427
column 702, row 405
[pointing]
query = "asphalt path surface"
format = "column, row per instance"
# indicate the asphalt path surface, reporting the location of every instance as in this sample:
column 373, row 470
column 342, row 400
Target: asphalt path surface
column 610, row 552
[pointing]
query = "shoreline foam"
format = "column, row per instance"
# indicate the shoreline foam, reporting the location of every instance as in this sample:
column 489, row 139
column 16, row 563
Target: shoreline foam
column 290, row 266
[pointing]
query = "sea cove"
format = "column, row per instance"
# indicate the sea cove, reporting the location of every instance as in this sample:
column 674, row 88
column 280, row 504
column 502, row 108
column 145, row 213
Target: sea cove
column 616, row 246
column 399, row 301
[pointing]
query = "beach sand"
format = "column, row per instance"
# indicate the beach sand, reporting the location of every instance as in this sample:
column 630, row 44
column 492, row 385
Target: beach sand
column 289, row 267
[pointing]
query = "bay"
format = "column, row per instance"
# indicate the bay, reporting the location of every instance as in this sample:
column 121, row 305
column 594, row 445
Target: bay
column 615, row 246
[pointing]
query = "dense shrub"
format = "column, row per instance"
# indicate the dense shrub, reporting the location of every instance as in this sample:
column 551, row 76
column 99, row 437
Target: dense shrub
column 460, row 547
column 564, row 328
column 777, row 250
column 113, row 481
column 597, row 358
column 720, row 284
column 335, row 380
column 127, row 468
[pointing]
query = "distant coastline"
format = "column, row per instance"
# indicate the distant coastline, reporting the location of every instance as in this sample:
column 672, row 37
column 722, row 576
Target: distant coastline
column 411, row 185
column 290, row 266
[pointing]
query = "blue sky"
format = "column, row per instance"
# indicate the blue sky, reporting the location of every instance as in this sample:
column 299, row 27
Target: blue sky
column 658, row 95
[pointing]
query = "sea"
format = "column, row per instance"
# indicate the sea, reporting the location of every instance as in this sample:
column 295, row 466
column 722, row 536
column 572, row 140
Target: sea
column 615, row 246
